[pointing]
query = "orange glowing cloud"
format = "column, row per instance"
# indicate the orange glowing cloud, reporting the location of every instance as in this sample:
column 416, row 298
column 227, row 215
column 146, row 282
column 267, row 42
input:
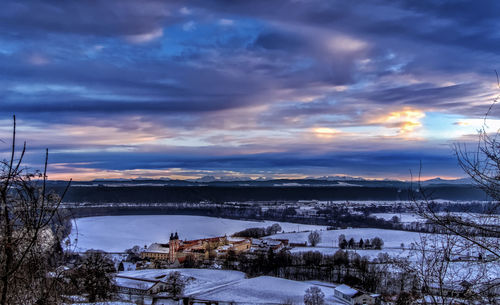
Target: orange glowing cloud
column 95, row 135
column 325, row 132
column 462, row 123
column 406, row 120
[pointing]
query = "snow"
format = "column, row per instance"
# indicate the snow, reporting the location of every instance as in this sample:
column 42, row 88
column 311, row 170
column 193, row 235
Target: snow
column 330, row 238
column 128, row 266
column 321, row 283
column 200, row 279
column 117, row 233
column 228, row 286
column 265, row 290
column 346, row 290
column 158, row 248
column 132, row 283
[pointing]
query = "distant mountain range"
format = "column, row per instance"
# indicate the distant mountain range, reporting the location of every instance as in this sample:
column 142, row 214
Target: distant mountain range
column 448, row 181
column 240, row 181
column 211, row 179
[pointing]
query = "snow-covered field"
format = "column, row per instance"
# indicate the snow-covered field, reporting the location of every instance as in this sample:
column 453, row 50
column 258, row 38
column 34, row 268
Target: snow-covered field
column 117, row 233
column 330, row 238
column 266, row 290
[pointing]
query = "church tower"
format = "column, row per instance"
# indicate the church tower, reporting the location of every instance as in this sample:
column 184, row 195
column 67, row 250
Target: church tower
column 173, row 245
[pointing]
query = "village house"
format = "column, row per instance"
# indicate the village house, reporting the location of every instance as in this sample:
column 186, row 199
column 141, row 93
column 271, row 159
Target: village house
column 138, row 286
column 268, row 243
column 237, row 245
column 353, row 296
column 156, row 251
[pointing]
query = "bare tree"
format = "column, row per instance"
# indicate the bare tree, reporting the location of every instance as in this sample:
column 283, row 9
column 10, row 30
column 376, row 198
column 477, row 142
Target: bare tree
column 94, row 276
column 482, row 165
column 273, row 229
column 314, row 296
column 314, row 238
column 175, row 285
column 377, row 243
column 469, row 239
column 445, row 275
column 28, row 212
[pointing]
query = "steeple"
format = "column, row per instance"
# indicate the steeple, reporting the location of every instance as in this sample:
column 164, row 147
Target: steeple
column 173, row 245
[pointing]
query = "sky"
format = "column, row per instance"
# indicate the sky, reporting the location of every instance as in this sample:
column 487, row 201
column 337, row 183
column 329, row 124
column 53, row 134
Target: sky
column 277, row 89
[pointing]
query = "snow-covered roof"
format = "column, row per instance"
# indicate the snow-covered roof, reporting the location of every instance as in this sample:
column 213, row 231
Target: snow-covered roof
column 321, row 283
column 266, row 242
column 346, row 290
column 273, row 242
column 235, row 239
column 134, row 283
column 157, row 248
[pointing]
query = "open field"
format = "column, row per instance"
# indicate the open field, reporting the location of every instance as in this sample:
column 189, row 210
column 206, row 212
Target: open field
column 117, row 233
column 330, row 238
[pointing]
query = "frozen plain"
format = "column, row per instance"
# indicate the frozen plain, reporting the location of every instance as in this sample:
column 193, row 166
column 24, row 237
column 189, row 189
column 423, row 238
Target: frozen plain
column 117, row 233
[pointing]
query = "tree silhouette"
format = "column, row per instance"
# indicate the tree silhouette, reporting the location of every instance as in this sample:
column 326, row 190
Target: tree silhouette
column 314, row 296
column 175, row 285
column 30, row 228
column 314, row 238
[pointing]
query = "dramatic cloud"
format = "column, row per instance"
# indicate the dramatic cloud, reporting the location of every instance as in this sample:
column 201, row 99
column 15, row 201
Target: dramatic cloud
column 255, row 88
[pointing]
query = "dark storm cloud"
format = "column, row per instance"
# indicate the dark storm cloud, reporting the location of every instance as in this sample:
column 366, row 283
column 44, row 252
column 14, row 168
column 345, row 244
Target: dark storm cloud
column 466, row 23
column 276, row 40
column 164, row 67
column 373, row 163
column 202, row 104
column 94, row 18
column 421, row 94
column 468, row 12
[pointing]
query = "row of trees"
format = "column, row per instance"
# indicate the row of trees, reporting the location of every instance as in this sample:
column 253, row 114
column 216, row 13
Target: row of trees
column 374, row 243
column 259, row 232
column 341, row 267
